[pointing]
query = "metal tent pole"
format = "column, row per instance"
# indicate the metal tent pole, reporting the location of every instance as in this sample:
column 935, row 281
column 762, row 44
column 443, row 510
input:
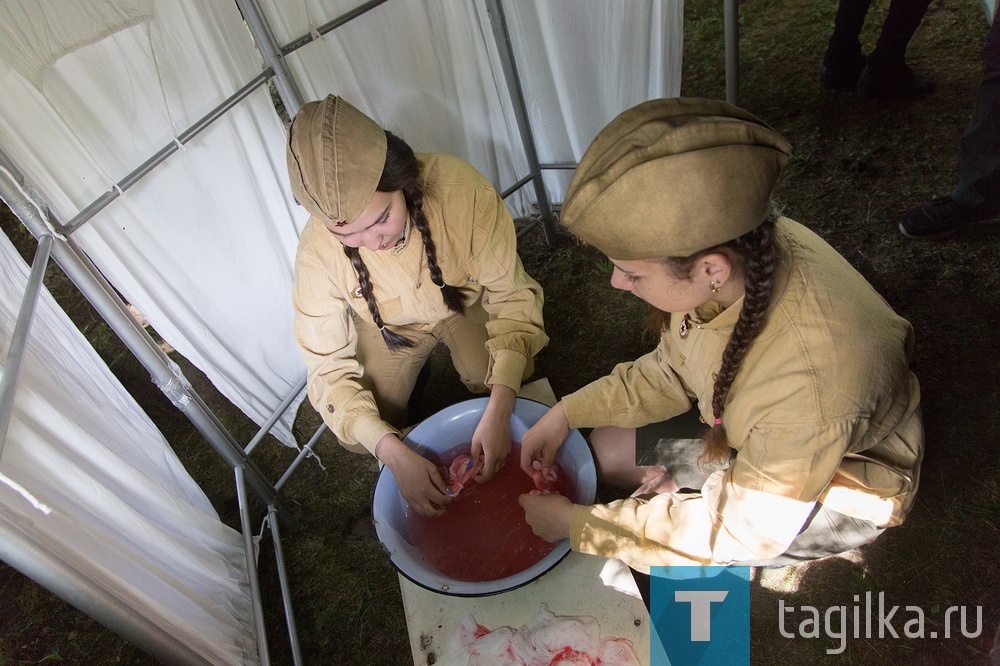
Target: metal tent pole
column 263, row 36
column 286, row 594
column 303, row 454
column 161, row 155
column 19, row 338
column 330, row 26
column 252, row 579
column 164, row 372
column 275, row 415
column 731, row 36
column 501, row 36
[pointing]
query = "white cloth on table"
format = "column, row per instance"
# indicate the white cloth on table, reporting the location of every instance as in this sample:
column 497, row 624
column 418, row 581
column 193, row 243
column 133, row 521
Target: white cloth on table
column 548, row 640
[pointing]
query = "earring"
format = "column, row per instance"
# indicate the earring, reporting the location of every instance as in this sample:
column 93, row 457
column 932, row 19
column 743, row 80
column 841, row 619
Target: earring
column 711, row 285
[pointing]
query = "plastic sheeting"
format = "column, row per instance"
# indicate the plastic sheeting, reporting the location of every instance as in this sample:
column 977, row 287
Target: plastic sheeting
column 203, row 246
column 86, row 475
column 431, row 73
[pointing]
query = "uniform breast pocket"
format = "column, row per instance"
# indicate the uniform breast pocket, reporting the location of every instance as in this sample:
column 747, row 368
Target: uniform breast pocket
column 390, row 309
column 675, row 357
column 466, row 275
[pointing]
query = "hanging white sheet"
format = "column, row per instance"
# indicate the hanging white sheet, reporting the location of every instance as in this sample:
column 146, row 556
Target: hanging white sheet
column 430, row 72
column 582, row 62
column 427, row 71
column 204, row 245
column 88, row 480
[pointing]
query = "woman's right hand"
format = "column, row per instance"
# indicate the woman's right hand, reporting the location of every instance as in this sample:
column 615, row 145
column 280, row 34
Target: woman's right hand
column 419, row 479
column 543, row 439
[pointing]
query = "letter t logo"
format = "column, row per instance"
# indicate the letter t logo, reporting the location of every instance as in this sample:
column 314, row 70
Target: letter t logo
column 701, row 610
column 700, row 616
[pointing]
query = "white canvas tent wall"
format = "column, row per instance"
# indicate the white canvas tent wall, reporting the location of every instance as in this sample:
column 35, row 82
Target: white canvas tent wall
column 145, row 133
column 132, row 539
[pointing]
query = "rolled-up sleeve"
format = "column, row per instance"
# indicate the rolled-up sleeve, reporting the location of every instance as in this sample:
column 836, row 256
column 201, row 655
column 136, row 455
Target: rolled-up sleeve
column 512, row 298
column 634, row 394
column 325, row 334
column 752, row 511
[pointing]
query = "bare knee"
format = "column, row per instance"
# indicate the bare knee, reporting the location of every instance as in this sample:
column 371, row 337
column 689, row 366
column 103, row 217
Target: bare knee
column 614, row 456
column 614, row 452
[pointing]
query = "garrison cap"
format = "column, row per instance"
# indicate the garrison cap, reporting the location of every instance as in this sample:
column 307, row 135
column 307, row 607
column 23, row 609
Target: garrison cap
column 335, row 158
column 672, row 177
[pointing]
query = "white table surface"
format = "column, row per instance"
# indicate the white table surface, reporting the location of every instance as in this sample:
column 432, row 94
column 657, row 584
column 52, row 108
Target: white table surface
column 573, row 588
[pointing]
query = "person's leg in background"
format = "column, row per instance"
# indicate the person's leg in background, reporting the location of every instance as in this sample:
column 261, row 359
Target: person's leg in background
column 843, row 60
column 979, row 150
column 886, row 73
column 976, row 198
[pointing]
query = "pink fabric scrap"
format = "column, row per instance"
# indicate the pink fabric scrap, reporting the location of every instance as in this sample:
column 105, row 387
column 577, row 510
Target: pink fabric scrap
column 461, row 472
column 545, row 478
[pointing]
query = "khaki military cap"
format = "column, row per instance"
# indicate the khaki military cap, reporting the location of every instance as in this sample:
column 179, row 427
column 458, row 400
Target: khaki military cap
column 671, row 177
column 335, row 158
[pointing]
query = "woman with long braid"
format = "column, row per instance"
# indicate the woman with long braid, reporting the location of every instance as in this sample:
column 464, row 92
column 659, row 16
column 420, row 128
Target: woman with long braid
column 403, row 251
column 810, row 436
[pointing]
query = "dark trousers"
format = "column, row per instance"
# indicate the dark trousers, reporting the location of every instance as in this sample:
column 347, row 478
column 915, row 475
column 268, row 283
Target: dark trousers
column 890, row 51
column 979, row 150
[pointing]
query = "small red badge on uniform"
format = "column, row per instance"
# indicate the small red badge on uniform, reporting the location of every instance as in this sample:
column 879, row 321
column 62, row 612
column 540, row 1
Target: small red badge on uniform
column 684, row 328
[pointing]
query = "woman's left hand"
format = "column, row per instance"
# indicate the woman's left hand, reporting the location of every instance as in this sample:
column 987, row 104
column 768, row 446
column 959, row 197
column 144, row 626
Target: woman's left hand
column 491, row 440
column 548, row 515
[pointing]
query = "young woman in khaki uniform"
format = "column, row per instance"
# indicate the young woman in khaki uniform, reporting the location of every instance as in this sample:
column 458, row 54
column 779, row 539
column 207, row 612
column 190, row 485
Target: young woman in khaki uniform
column 403, row 251
column 797, row 366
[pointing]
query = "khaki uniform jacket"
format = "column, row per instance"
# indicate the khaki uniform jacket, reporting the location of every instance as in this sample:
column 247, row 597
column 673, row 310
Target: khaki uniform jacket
column 823, row 409
column 476, row 250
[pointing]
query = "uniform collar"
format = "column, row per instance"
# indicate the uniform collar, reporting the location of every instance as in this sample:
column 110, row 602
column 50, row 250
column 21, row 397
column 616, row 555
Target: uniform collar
column 398, row 248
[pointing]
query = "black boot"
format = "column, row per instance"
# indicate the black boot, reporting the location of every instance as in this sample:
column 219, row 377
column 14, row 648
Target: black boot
column 899, row 81
column 842, row 73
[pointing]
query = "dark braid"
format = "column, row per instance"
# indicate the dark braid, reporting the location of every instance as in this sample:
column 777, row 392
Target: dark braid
column 756, row 250
column 393, row 340
column 759, row 258
column 401, row 172
column 414, row 204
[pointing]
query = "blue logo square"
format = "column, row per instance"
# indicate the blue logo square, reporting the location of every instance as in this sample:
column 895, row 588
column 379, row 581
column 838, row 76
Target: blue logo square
column 699, row 615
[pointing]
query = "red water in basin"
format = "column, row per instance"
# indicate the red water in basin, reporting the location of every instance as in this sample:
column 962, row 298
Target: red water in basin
column 482, row 535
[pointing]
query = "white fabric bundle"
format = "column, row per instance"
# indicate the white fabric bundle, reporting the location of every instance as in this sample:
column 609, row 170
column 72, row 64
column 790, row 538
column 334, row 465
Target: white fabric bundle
column 549, row 640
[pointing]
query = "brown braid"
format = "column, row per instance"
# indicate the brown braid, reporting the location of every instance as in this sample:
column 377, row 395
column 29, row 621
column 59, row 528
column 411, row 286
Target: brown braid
column 759, row 257
column 414, row 204
column 401, row 172
column 757, row 253
column 394, row 341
